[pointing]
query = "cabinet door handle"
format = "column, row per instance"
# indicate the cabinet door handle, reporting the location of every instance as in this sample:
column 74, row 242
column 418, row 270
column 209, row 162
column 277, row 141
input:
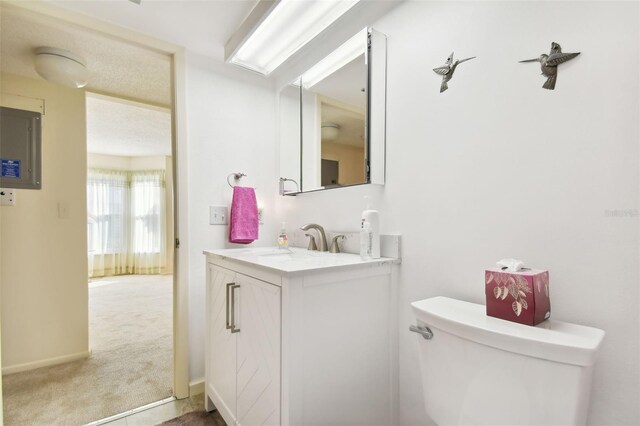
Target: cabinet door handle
column 233, row 308
column 227, row 305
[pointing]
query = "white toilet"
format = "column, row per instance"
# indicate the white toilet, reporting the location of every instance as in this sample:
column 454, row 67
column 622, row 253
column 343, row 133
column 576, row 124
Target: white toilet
column 480, row 370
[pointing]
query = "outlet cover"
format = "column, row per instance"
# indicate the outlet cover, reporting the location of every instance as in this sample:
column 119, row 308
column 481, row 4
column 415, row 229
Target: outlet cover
column 218, row 215
column 7, row 197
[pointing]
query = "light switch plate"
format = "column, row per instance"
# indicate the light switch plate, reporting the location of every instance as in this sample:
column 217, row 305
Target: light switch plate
column 218, row 215
column 63, row 210
column 7, row 197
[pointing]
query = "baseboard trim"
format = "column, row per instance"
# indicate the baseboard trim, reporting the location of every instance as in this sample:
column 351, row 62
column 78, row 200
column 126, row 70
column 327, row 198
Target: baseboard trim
column 196, row 387
column 19, row 368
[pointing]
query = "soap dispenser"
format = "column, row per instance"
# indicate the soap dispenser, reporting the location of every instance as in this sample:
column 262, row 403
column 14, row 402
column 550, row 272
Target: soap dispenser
column 283, row 239
column 365, row 240
column 371, row 222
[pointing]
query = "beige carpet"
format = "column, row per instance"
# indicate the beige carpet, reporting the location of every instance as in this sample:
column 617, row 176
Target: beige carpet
column 130, row 365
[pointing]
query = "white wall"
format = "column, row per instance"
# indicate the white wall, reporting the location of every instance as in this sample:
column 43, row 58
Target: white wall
column 112, row 162
column 158, row 162
column 118, row 162
column 498, row 167
column 44, row 239
column 231, row 127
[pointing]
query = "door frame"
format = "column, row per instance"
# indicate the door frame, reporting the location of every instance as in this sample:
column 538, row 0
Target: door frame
column 181, row 388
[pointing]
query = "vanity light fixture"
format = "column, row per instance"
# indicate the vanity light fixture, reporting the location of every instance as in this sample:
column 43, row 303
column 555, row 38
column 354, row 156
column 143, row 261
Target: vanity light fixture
column 350, row 50
column 62, row 67
column 275, row 30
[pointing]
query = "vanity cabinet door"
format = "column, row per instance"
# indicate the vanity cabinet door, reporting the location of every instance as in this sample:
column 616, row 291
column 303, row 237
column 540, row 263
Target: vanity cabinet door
column 221, row 343
column 258, row 373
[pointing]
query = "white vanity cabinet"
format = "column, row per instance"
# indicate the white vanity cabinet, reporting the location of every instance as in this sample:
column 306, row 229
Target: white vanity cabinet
column 243, row 347
column 305, row 339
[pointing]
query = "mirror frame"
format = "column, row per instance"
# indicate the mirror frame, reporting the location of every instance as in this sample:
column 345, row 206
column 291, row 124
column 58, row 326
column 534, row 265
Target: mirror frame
column 375, row 116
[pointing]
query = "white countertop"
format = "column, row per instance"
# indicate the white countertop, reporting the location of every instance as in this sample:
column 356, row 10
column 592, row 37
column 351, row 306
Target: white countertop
column 293, row 259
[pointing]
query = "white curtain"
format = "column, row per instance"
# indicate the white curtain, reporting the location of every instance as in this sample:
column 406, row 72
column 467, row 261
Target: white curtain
column 126, row 222
column 148, row 213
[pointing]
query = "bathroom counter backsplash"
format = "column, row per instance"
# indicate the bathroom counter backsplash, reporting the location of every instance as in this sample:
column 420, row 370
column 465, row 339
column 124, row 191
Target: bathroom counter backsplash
column 389, row 244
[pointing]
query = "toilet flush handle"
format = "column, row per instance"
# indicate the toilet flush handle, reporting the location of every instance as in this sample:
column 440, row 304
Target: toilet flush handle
column 423, row 330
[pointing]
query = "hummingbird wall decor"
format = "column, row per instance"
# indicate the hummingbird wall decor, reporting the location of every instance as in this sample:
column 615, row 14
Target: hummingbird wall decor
column 549, row 64
column 447, row 70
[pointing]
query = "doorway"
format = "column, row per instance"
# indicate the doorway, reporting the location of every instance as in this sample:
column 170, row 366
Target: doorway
column 130, row 245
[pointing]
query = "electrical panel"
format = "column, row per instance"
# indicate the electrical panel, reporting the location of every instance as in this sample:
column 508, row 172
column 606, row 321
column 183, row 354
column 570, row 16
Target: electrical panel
column 20, row 149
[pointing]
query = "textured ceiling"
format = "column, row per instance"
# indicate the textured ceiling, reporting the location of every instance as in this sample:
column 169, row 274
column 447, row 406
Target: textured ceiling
column 202, row 26
column 128, row 129
column 115, row 66
column 346, row 84
column 351, row 124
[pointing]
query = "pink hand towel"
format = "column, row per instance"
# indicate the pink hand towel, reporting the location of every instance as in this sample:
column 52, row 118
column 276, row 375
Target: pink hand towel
column 244, row 216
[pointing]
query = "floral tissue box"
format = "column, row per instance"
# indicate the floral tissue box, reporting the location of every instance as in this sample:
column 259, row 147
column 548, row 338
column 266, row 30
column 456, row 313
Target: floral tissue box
column 518, row 296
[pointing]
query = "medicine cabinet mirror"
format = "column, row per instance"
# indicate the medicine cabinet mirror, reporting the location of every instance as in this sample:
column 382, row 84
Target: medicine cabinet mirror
column 332, row 119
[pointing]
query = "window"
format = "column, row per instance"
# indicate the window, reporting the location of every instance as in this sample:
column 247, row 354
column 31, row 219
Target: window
column 126, row 222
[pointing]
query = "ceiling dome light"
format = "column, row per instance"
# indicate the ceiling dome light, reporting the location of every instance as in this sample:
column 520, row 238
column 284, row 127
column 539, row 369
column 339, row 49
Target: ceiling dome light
column 62, row 67
column 329, row 131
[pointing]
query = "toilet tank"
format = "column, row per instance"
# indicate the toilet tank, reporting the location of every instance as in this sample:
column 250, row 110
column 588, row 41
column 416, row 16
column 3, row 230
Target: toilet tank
column 480, row 370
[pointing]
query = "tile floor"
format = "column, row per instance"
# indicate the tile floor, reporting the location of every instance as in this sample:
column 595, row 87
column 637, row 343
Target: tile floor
column 162, row 413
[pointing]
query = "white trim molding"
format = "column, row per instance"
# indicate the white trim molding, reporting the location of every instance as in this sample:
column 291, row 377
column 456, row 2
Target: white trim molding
column 196, row 387
column 19, row 368
column 181, row 385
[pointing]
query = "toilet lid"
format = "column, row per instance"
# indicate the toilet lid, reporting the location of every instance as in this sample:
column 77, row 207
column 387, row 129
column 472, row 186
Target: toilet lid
column 552, row 340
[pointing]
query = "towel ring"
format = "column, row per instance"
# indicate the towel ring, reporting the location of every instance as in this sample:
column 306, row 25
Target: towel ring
column 236, row 177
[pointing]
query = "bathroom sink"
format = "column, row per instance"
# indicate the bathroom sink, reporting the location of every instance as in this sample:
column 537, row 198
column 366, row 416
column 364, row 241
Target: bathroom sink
column 293, row 259
column 279, row 255
column 275, row 253
column 294, row 254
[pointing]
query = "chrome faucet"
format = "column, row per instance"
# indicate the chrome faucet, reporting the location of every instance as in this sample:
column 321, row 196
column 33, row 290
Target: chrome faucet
column 322, row 244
